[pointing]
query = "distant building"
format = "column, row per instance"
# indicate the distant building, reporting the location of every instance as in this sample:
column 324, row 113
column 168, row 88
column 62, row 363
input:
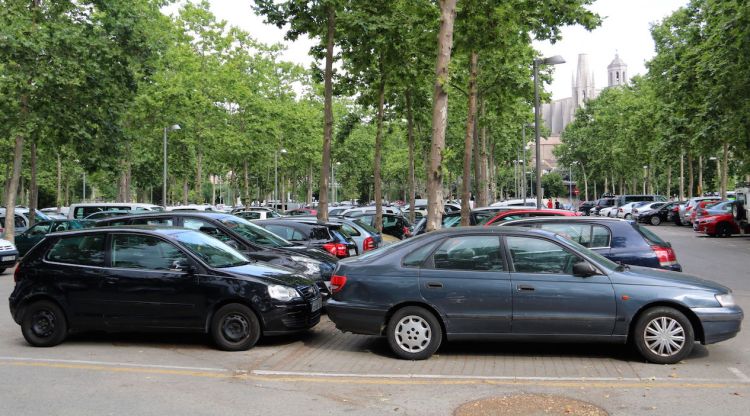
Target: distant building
column 559, row 113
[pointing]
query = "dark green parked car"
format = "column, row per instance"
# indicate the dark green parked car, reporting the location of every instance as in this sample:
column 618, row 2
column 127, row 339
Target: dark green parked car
column 26, row 240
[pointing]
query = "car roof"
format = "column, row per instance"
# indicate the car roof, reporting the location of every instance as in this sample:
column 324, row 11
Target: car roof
column 606, row 220
column 203, row 214
column 149, row 229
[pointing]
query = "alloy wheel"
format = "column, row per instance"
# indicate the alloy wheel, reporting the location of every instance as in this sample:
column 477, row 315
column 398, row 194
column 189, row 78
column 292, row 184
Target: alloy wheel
column 664, row 336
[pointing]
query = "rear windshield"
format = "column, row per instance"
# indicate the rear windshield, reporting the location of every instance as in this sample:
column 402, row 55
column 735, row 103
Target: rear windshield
column 254, row 233
column 650, row 236
column 340, row 235
column 320, row 233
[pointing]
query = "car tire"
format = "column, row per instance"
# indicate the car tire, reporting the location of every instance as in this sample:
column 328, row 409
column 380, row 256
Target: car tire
column 655, row 220
column 44, row 324
column 723, row 230
column 414, row 333
column 235, row 327
column 663, row 335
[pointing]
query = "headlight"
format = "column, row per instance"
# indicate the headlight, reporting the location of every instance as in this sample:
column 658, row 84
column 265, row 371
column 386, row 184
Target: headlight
column 725, row 300
column 283, row 293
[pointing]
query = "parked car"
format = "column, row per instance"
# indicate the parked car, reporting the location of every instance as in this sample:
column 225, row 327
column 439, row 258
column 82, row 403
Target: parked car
column 716, row 208
column 646, row 207
column 353, row 212
column 395, row 225
column 586, row 206
column 8, row 255
column 453, row 219
column 622, row 241
column 83, row 210
column 526, row 213
column 252, row 241
column 366, row 236
column 610, row 212
column 621, row 200
column 108, row 214
column 507, row 283
column 313, row 234
column 302, row 211
column 717, row 225
column 156, row 279
column 686, row 210
column 195, row 207
column 659, row 215
column 52, row 213
column 21, row 219
column 257, row 215
column 699, row 206
column 626, row 211
column 601, row 204
column 28, row 239
column 529, row 202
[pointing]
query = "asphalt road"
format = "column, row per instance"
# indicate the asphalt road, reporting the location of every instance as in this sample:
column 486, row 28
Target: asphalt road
column 326, row 372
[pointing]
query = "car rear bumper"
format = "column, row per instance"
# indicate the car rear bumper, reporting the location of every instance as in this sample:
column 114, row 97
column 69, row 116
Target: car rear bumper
column 720, row 324
column 358, row 320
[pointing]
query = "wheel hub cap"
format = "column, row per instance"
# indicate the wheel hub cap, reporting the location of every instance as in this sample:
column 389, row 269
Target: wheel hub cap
column 235, row 328
column 664, row 336
column 413, row 333
column 44, row 323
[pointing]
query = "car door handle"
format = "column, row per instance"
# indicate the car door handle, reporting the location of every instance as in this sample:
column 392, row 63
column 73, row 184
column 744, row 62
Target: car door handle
column 110, row 280
column 434, row 285
column 525, row 288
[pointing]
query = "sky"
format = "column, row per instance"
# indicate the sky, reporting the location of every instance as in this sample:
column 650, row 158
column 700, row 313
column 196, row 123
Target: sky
column 625, row 30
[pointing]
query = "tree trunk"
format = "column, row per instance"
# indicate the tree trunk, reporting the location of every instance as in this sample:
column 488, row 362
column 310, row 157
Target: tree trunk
column 328, row 117
column 492, row 168
column 669, row 180
column 691, row 181
column 246, row 196
column 439, row 116
column 682, row 175
column 724, row 170
column 33, row 191
column 585, row 183
column 185, row 191
column 484, row 189
column 58, row 196
column 199, row 178
column 10, row 197
column 469, row 140
column 310, row 185
column 378, row 145
column 701, row 188
column 410, row 136
column 606, row 185
column 213, row 190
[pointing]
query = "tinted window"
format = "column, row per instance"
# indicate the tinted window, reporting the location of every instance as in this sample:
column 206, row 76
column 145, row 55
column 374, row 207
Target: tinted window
column 469, row 253
column 535, row 255
column 213, row 252
column 41, row 228
column 249, row 215
column 580, row 233
column 318, row 233
column 650, row 236
column 370, row 229
column 340, row 235
column 152, row 221
column 87, row 250
column 451, row 221
column 144, row 252
column 206, row 228
column 350, row 230
column 254, row 233
column 418, row 256
column 287, row 233
column 600, row 237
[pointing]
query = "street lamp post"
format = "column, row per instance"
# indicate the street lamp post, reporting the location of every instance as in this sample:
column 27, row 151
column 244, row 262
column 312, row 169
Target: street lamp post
column 333, row 180
column 525, row 148
column 164, row 178
column 276, row 175
column 553, row 60
column 570, row 183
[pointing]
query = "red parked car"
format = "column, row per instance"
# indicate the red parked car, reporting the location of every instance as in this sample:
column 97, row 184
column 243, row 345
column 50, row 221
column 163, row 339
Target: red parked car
column 720, row 225
column 700, row 210
column 518, row 214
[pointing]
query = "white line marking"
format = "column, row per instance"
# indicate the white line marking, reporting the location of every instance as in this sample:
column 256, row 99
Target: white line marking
column 740, row 375
column 504, row 378
column 113, row 364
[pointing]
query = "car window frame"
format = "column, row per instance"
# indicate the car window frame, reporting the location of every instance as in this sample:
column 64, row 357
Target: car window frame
column 48, row 250
column 510, row 262
column 108, row 252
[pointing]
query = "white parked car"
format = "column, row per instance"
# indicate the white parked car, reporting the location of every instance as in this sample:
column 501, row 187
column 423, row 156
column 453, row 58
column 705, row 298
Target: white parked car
column 530, row 203
column 610, row 212
column 626, row 211
column 648, row 206
column 83, row 210
column 353, row 212
column 8, row 254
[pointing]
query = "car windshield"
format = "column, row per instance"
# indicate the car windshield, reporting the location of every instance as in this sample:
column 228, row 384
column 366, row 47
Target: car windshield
column 212, row 251
column 601, row 260
column 254, row 233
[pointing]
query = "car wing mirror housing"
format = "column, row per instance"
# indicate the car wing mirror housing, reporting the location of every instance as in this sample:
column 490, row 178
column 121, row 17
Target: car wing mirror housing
column 583, row 269
column 182, row 266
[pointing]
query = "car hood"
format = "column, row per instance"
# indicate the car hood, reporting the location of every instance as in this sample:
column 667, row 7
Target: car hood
column 268, row 273
column 658, row 277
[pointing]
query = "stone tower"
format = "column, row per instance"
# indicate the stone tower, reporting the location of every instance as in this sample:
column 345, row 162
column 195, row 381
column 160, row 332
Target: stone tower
column 583, row 83
column 617, row 72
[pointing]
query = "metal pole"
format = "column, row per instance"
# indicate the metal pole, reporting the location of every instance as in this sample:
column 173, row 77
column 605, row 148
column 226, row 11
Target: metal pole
column 523, row 137
column 333, row 180
column 536, row 137
column 84, row 186
column 275, row 177
column 164, row 178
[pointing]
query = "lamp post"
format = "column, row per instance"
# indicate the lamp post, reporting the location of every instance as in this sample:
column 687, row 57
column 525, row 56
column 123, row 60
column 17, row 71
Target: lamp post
column 173, row 127
column 645, row 175
column 525, row 148
column 718, row 172
column 333, row 180
column 276, row 175
column 553, row 60
column 570, row 183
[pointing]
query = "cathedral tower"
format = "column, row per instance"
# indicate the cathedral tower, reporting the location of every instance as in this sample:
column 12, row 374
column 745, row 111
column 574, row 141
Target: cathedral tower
column 617, row 71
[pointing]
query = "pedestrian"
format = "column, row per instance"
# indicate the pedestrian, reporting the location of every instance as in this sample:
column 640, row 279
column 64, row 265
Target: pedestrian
column 549, row 203
column 557, row 204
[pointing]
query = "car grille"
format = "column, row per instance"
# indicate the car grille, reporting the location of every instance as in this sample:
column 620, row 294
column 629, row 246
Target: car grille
column 301, row 319
column 6, row 246
column 309, row 292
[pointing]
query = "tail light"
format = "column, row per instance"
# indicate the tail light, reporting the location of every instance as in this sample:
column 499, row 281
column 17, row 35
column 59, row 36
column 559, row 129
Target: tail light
column 336, row 249
column 337, row 283
column 665, row 255
column 368, row 244
column 16, row 274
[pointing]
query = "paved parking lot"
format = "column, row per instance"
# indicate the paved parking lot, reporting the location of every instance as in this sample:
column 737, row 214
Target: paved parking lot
column 344, row 373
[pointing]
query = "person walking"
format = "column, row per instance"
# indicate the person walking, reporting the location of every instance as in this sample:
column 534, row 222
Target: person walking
column 557, row 204
column 549, row 203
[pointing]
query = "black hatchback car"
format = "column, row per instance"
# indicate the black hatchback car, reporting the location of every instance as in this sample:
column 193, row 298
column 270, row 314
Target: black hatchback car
column 314, row 234
column 253, row 241
column 156, row 279
column 622, row 241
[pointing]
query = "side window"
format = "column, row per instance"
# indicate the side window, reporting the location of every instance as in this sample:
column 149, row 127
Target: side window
column 20, row 222
column 350, row 230
column 63, row 226
column 153, row 221
column 580, row 233
column 474, row 252
column 132, row 251
column 600, row 237
column 280, row 230
column 389, row 221
column 316, row 233
column 87, row 250
column 535, row 255
column 40, row 229
column 206, row 228
column 418, row 256
column 253, row 215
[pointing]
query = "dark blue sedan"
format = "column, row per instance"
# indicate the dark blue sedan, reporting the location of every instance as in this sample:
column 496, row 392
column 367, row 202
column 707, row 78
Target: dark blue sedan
column 622, row 241
column 512, row 283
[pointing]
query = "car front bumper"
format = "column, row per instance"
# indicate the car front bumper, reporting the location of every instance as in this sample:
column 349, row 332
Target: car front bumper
column 5, row 258
column 719, row 324
column 290, row 318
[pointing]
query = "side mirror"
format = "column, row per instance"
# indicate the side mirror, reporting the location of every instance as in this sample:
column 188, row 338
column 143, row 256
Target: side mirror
column 583, row 269
column 182, row 266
